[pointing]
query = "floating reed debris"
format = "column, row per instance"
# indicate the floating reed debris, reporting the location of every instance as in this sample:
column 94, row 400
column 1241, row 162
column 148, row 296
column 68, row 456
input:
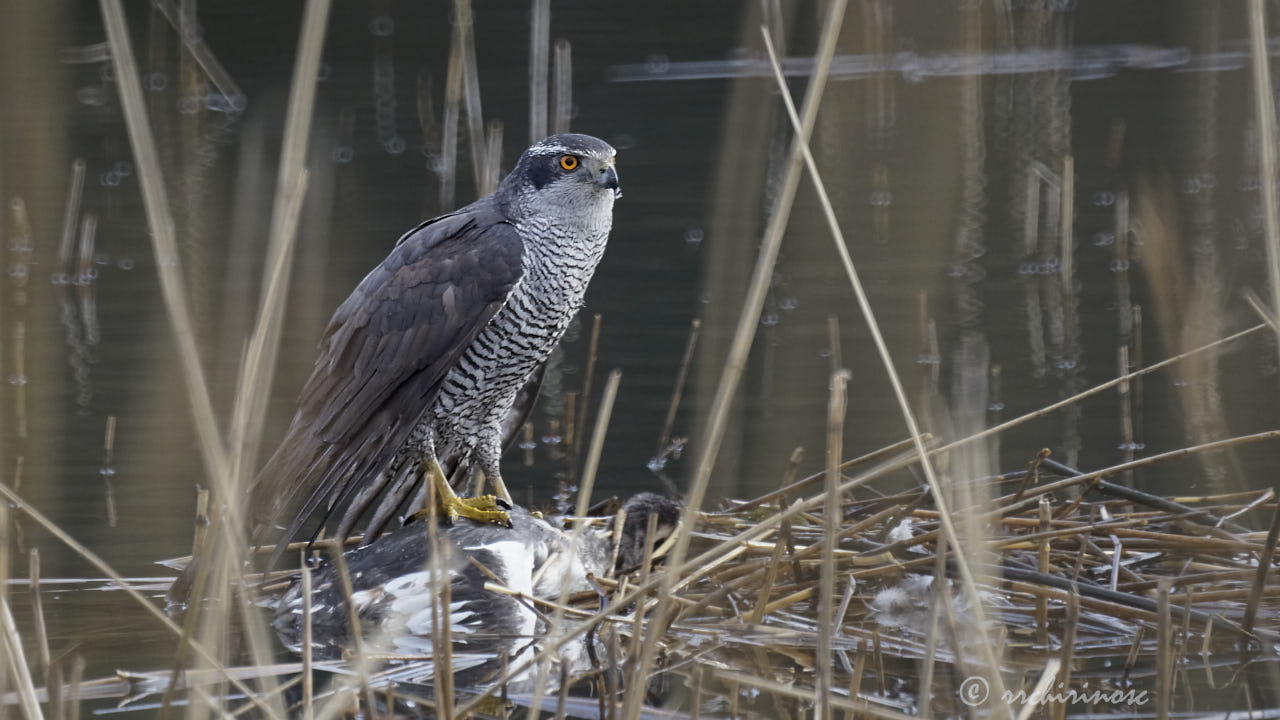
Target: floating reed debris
column 1053, row 613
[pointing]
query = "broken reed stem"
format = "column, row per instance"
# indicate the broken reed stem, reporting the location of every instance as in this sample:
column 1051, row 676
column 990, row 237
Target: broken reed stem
column 71, row 214
column 967, row 579
column 493, row 170
column 831, row 517
column 695, row 328
column 37, row 613
column 833, row 342
column 133, row 593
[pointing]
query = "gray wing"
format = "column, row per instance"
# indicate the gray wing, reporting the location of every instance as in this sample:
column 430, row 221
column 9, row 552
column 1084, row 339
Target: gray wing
column 383, row 358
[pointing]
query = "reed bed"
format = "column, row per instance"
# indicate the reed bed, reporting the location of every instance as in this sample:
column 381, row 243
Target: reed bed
column 1101, row 599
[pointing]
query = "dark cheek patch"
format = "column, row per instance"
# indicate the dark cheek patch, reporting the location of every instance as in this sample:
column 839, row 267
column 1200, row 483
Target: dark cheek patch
column 541, row 171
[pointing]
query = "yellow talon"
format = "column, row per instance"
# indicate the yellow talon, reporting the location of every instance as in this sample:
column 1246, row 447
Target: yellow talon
column 482, row 508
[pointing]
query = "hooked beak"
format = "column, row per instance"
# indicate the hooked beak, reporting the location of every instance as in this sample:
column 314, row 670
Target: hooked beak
column 608, row 178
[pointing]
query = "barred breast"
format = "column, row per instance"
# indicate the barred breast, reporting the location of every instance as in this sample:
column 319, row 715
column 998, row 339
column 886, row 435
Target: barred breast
column 480, row 390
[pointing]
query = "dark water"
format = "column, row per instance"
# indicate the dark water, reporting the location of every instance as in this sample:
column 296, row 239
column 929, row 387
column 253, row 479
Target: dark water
column 931, row 127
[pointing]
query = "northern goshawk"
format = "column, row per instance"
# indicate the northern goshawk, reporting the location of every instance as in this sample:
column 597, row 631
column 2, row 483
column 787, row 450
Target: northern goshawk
column 425, row 358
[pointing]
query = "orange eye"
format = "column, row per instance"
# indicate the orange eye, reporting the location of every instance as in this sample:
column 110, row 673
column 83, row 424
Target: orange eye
column 569, row 162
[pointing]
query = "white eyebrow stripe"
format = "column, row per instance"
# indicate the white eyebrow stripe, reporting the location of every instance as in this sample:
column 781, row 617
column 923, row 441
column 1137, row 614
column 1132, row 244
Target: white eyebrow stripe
column 553, row 149
column 556, row 149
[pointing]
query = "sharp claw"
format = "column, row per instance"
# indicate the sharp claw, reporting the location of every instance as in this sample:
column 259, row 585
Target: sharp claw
column 502, row 503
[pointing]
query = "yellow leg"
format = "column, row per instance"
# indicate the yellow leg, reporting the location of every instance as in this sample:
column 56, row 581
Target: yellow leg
column 500, row 488
column 483, row 508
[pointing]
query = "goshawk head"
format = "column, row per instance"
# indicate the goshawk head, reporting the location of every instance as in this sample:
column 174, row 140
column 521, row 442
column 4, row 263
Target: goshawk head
column 563, row 176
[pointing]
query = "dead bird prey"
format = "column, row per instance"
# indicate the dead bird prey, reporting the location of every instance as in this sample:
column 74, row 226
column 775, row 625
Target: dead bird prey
column 424, row 360
column 395, row 592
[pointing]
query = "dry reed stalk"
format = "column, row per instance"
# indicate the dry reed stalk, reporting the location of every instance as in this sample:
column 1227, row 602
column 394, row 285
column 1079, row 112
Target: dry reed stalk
column 291, row 185
column 73, row 688
column 1071, row 625
column 164, row 246
column 1264, row 313
column 108, row 458
column 71, row 214
column 833, row 342
column 37, row 613
column 702, row 564
column 18, row 668
column 585, row 488
column 357, row 634
column 1047, row 677
column 257, row 371
column 1042, row 603
column 562, row 87
column 967, row 578
column 1264, row 103
column 20, row 371
column 213, row 451
column 539, row 50
column 465, row 34
column 584, row 400
column 597, row 442
column 201, row 53
column 931, row 632
column 493, row 171
column 1164, row 653
column 449, row 123
column 133, row 593
column 571, row 421
column 748, row 320
column 6, row 544
column 677, row 391
column 766, row 588
column 1264, row 568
